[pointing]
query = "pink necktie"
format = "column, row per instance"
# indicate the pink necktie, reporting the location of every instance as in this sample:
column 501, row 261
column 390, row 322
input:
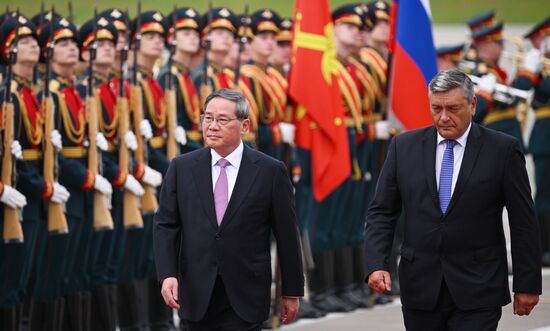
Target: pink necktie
column 221, row 192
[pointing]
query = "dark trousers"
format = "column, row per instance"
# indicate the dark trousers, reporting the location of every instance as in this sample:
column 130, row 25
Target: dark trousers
column 447, row 316
column 220, row 316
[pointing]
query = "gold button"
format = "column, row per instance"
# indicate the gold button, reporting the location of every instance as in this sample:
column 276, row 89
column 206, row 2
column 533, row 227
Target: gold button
column 337, row 121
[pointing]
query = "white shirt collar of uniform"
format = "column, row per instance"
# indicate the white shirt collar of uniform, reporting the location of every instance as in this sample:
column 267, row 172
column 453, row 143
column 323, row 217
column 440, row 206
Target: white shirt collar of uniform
column 234, row 157
column 461, row 140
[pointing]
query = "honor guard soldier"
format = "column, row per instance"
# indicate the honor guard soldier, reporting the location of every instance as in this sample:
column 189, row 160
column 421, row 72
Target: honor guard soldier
column 70, row 120
column 20, row 52
column 107, row 246
column 474, row 24
column 534, row 73
column 120, row 20
column 185, row 25
column 280, row 58
column 449, row 57
column 494, row 109
column 151, row 29
column 268, row 86
column 218, row 34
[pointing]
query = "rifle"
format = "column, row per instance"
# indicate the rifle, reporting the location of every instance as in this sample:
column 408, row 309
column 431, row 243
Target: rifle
column 71, row 13
column 130, row 203
column 57, row 222
column 13, row 232
column 149, row 201
column 243, row 38
column 172, row 148
column 102, row 216
column 205, row 88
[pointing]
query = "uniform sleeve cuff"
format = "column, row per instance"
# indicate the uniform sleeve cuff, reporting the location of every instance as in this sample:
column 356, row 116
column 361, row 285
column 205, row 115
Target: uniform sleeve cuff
column 48, row 190
column 533, row 77
column 88, row 184
column 139, row 171
column 120, row 179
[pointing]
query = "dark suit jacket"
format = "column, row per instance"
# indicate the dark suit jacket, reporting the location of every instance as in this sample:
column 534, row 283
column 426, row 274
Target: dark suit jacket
column 466, row 246
column 189, row 244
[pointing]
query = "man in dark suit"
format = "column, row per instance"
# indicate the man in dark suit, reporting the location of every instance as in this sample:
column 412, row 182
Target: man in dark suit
column 452, row 180
column 218, row 208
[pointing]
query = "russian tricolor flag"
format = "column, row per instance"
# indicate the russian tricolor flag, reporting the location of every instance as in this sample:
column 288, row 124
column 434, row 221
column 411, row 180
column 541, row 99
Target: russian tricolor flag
column 413, row 64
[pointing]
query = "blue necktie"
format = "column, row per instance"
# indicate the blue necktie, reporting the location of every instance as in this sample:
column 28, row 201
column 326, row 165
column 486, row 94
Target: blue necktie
column 446, row 176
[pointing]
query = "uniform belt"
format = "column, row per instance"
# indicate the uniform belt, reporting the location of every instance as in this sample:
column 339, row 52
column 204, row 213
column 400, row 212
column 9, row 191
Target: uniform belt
column 157, row 142
column 543, row 112
column 372, row 118
column 32, row 154
column 194, row 135
column 74, row 152
column 249, row 136
column 500, row 115
column 111, row 148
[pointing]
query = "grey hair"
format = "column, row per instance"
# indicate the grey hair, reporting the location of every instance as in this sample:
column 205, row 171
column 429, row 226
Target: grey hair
column 447, row 80
column 242, row 106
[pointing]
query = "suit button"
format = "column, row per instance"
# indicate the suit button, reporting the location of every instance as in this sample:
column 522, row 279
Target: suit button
column 218, row 237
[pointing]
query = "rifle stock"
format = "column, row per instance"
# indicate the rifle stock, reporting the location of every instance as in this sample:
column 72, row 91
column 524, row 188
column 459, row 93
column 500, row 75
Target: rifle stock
column 172, row 148
column 149, row 201
column 130, row 203
column 57, row 222
column 13, row 232
column 102, row 215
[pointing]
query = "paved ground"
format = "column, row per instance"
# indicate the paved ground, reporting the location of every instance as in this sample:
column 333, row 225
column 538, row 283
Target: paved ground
column 389, row 318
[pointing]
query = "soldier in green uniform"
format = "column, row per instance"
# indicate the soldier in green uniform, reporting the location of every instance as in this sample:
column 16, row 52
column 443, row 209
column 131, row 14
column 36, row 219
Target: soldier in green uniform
column 106, row 246
column 17, row 258
column 153, row 29
column 186, row 32
column 534, row 73
column 70, row 120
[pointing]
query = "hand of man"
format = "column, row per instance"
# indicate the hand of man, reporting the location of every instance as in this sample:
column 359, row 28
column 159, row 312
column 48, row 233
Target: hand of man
column 169, row 292
column 380, row 281
column 289, row 309
column 16, row 150
column 487, row 83
column 60, row 193
column 181, row 137
column 524, row 303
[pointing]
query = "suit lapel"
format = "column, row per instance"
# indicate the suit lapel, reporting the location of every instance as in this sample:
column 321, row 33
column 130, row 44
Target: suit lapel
column 473, row 146
column 202, row 173
column 245, row 178
column 429, row 148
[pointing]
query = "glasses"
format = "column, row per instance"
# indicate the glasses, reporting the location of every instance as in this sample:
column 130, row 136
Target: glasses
column 223, row 121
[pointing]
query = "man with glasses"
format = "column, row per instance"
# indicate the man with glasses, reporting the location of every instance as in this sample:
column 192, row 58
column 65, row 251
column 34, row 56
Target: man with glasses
column 218, row 207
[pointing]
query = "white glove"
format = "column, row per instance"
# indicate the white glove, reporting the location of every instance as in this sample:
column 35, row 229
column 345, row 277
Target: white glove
column 382, row 130
column 130, row 140
column 532, row 60
column 487, row 83
column 152, row 177
column 60, row 193
column 181, row 137
column 287, row 132
column 133, row 185
column 55, row 138
column 145, row 129
column 13, row 197
column 102, row 185
column 16, row 150
column 101, row 142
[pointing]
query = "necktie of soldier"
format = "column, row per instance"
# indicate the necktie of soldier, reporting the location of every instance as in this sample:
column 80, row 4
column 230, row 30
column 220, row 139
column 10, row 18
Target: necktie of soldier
column 221, row 191
column 446, row 175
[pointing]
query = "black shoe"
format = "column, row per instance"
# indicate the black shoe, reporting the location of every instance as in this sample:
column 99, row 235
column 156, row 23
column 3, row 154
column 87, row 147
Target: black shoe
column 329, row 303
column 351, row 297
column 382, row 299
column 307, row 310
column 8, row 319
column 546, row 259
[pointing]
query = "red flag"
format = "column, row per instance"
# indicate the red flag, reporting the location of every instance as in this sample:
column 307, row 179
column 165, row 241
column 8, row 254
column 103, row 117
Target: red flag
column 313, row 85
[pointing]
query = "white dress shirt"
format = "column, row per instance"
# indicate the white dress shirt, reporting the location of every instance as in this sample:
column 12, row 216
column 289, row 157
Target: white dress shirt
column 232, row 169
column 458, row 152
